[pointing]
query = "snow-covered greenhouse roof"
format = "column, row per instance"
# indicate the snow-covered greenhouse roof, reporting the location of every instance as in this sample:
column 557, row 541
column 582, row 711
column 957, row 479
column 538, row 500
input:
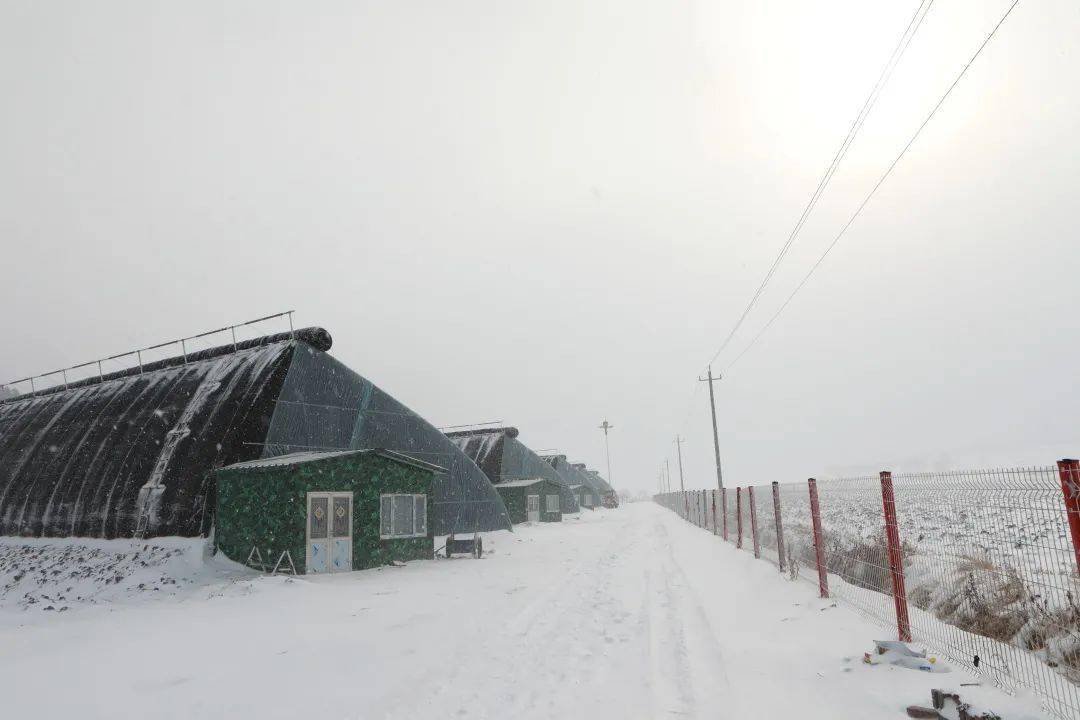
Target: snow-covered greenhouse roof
column 526, row 482
column 130, row 453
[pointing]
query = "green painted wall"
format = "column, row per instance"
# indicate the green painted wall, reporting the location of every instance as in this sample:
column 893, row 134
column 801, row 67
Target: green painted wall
column 592, row 498
column 516, row 505
column 267, row 507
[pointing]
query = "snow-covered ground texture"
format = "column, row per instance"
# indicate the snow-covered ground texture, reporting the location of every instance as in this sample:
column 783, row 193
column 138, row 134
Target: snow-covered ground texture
column 52, row 575
column 629, row 613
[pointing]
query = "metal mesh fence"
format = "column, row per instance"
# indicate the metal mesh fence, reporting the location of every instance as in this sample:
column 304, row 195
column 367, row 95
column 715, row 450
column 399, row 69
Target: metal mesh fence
column 981, row 566
column 991, row 574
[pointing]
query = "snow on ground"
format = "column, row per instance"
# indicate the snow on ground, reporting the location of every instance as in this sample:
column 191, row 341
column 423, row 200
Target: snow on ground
column 49, row 575
column 630, row 613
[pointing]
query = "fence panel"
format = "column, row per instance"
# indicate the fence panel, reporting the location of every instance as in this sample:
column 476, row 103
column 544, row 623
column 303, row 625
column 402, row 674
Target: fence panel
column 798, row 531
column 991, row 574
column 989, row 564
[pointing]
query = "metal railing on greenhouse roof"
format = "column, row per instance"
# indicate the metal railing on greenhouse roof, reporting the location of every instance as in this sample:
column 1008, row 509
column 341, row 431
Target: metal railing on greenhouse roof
column 138, row 353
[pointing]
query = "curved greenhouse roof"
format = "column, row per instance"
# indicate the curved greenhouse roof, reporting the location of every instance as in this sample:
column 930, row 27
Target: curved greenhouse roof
column 504, row 458
column 598, row 482
column 129, row 454
column 568, row 471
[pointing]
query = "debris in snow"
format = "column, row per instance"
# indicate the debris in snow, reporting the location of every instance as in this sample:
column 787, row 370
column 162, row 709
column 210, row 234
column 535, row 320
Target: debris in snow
column 891, row 652
column 948, row 706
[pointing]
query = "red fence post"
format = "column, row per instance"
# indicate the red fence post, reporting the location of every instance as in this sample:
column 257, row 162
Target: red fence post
column 738, row 515
column 723, row 510
column 753, row 522
column 819, row 550
column 779, row 524
column 1069, row 471
column 896, row 557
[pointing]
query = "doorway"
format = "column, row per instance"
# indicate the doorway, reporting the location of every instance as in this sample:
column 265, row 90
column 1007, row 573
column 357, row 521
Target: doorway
column 329, row 532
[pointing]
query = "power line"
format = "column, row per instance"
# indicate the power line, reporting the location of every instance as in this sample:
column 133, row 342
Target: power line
column 871, row 99
column 880, row 181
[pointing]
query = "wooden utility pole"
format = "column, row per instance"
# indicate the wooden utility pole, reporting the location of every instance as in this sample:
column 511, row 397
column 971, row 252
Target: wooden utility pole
column 715, row 435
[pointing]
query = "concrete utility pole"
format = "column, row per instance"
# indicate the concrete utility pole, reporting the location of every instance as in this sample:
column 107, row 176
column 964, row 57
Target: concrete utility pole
column 607, row 449
column 715, row 435
column 682, row 485
column 667, row 469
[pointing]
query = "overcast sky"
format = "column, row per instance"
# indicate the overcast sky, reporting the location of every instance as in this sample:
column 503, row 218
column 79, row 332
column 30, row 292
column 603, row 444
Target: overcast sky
column 552, row 213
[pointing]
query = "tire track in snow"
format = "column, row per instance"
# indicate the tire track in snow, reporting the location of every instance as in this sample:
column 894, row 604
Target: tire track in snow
column 688, row 667
column 549, row 651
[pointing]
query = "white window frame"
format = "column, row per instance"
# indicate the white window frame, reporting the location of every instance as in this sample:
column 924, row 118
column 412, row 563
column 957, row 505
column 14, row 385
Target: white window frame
column 394, row 499
column 548, row 504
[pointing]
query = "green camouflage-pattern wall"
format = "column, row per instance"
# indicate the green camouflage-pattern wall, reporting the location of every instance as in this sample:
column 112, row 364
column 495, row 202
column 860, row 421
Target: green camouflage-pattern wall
column 587, row 497
column 514, row 499
column 266, row 507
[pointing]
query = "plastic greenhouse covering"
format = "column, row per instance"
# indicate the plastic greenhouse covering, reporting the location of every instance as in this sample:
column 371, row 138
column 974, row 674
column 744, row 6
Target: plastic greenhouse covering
column 572, row 473
column 129, row 454
column 326, row 406
column 102, row 456
column 599, row 483
column 503, row 458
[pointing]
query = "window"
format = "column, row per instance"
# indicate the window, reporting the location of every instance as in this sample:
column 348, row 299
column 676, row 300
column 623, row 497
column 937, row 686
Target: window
column 552, row 503
column 317, row 516
column 402, row 516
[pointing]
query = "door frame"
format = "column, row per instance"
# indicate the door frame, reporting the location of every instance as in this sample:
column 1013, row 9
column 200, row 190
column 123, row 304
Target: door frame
column 349, row 545
column 528, row 513
column 330, row 495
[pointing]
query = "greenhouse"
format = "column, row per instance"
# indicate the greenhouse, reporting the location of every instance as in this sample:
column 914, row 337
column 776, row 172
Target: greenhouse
column 586, row 496
column 532, row 500
column 608, row 497
column 570, row 473
column 504, row 458
column 131, row 453
column 326, row 511
column 593, row 480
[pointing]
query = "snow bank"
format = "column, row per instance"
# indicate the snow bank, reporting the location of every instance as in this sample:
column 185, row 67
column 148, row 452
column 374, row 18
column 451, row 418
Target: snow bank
column 59, row 575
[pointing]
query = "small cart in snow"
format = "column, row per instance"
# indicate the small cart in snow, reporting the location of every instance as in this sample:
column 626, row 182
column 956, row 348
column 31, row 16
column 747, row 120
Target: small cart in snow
column 469, row 546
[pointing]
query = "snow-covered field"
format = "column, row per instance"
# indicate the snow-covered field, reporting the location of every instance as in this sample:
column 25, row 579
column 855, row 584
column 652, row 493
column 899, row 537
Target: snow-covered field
column 631, row 613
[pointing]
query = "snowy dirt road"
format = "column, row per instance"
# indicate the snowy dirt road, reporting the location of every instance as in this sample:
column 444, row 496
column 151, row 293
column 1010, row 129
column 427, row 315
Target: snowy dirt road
column 629, row 613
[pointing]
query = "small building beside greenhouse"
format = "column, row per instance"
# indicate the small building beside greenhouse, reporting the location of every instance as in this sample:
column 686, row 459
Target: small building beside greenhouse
column 327, row 511
column 586, row 496
column 532, row 500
